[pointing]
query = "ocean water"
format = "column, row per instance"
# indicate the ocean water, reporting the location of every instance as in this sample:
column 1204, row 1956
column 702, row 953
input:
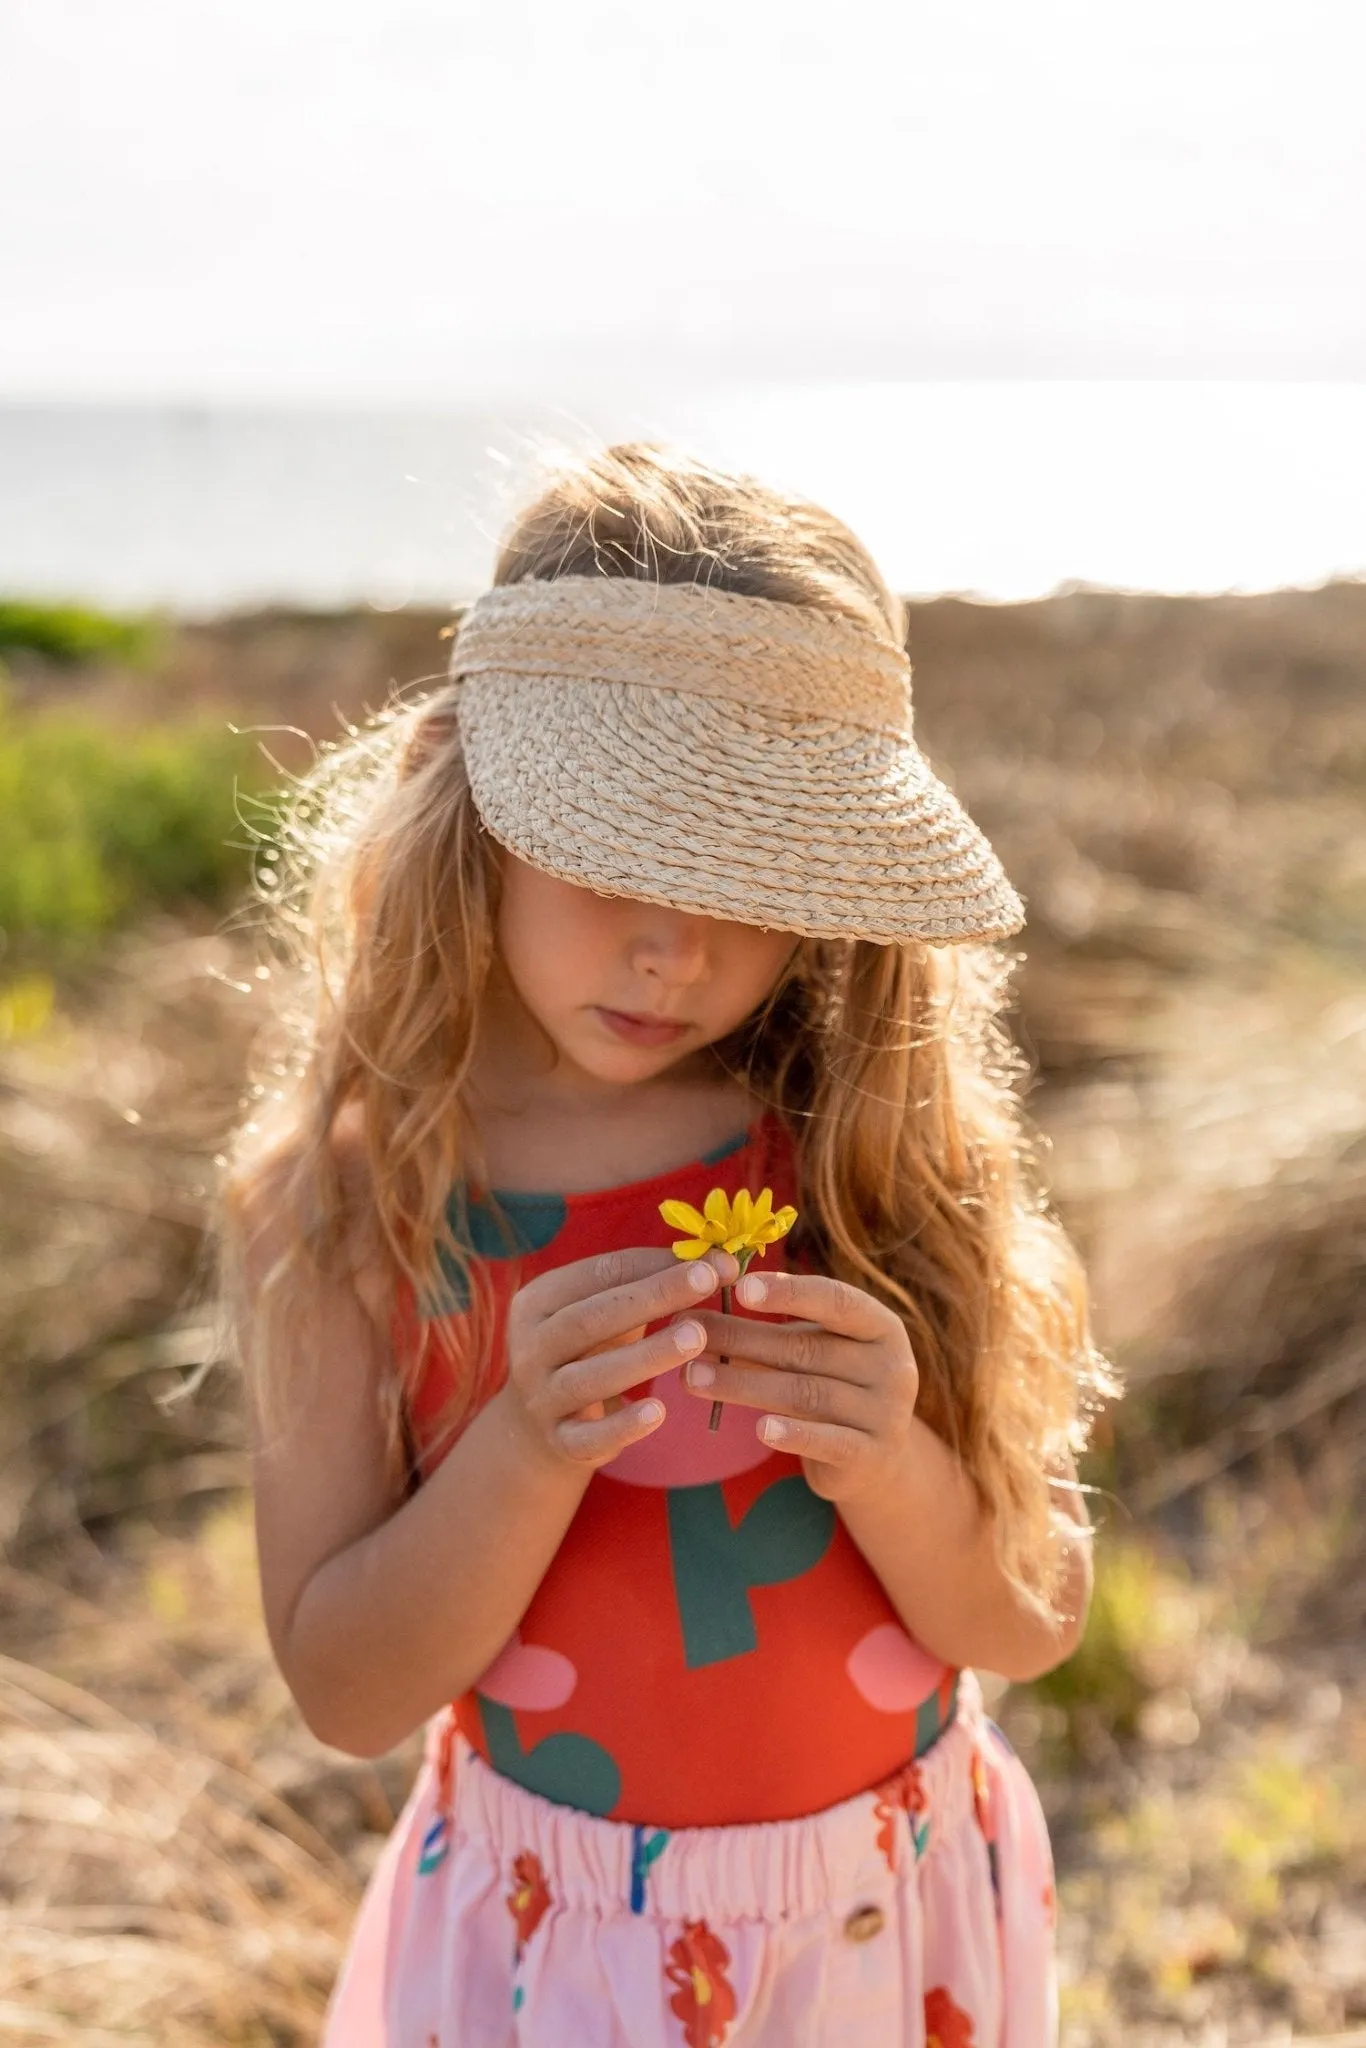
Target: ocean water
column 1002, row 490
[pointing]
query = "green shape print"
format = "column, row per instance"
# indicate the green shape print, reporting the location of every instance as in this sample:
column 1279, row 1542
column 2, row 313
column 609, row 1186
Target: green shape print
column 715, row 1562
column 570, row 1769
column 506, row 1227
column 726, row 1149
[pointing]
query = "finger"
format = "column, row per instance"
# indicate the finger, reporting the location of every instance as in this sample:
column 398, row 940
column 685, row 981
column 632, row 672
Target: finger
column 584, row 1380
column 797, row 1347
column 562, row 1285
column 809, row 1396
column 593, row 1443
column 827, row 1442
column 834, row 1304
column 627, row 1294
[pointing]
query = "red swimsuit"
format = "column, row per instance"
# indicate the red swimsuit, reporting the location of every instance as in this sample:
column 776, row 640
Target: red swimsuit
column 708, row 1646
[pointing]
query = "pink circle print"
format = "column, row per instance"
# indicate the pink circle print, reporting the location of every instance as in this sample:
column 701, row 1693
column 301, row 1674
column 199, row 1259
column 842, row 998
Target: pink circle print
column 892, row 1671
column 529, row 1677
column 683, row 1451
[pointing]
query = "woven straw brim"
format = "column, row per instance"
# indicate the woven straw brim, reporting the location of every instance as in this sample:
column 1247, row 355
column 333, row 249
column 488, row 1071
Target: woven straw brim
column 734, row 811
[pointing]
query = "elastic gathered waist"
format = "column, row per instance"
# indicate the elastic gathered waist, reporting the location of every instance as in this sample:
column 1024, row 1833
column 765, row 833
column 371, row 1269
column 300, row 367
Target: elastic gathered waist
column 772, row 1870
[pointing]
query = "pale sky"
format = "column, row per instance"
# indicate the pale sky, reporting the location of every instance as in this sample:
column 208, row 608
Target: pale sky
column 399, row 201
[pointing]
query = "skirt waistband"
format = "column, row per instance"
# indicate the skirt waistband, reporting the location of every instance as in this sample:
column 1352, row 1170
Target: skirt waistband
column 775, row 1868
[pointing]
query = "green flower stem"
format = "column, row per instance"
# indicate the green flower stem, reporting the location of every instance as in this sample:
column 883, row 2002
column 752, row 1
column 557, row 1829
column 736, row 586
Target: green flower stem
column 742, row 1260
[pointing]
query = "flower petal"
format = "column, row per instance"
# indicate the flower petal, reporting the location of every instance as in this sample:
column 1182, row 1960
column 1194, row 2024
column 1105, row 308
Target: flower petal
column 683, row 1216
column 763, row 1209
column 691, row 1247
column 718, row 1210
column 776, row 1227
column 742, row 1213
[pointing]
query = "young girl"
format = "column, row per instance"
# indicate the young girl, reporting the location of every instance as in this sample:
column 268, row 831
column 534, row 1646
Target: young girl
column 656, row 903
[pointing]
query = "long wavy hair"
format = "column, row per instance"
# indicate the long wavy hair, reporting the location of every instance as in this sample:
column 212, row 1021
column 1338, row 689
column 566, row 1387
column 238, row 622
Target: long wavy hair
column 890, row 1065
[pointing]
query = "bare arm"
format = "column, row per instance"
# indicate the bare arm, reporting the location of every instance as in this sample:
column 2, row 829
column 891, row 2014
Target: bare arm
column 839, row 1390
column 940, row 1572
column 380, row 1609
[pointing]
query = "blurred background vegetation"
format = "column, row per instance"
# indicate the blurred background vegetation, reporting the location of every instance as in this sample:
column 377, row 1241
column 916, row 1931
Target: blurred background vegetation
column 1176, row 785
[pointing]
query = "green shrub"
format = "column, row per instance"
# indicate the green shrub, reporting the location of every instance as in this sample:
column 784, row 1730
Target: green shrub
column 70, row 633
column 1141, row 1628
column 97, row 825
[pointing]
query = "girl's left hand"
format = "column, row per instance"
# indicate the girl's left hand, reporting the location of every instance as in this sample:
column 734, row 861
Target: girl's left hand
column 837, row 1389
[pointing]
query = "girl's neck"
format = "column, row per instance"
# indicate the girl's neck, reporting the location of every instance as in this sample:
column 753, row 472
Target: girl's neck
column 552, row 1147
column 545, row 1127
column 543, row 1133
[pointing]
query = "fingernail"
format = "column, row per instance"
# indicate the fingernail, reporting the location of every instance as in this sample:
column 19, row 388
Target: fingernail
column 752, row 1290
column 688, row 1336
column 702, row 1277
column 699, row 1375
column 772, row 1429
column 651, row 1411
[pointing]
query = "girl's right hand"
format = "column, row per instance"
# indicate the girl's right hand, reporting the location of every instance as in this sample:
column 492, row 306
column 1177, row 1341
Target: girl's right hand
column 576, row 1341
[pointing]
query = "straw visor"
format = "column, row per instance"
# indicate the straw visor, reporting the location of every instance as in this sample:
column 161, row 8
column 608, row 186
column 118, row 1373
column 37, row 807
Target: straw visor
column 740, row 757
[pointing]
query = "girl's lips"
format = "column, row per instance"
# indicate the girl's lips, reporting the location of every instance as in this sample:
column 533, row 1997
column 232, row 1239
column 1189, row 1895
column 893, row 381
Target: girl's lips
column 641, row 1030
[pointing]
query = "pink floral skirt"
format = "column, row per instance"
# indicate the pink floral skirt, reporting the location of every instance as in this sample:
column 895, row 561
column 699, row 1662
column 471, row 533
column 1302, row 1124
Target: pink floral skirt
column 918, row 1915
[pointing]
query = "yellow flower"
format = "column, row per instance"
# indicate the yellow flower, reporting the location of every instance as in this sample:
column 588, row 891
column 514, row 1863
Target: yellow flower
column 739, row 1224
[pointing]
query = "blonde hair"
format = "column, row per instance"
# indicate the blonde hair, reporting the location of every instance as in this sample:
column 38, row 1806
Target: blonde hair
column 889, row 1064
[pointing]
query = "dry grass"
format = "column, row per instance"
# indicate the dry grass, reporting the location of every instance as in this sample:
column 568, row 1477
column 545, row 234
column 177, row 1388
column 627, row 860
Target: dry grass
column 1212, row 1844
column 158, row 1884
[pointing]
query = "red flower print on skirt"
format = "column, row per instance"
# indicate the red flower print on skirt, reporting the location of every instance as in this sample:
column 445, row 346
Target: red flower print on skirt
column 981, row 1797
column 905, row 1793
column 445, row 1766
column 529, row 1897
column 986, row 1821
column 704, row 2000
column 946, row 2024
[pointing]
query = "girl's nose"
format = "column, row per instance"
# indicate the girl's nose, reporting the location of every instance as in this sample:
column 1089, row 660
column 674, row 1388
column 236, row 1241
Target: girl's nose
column 672, row 947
